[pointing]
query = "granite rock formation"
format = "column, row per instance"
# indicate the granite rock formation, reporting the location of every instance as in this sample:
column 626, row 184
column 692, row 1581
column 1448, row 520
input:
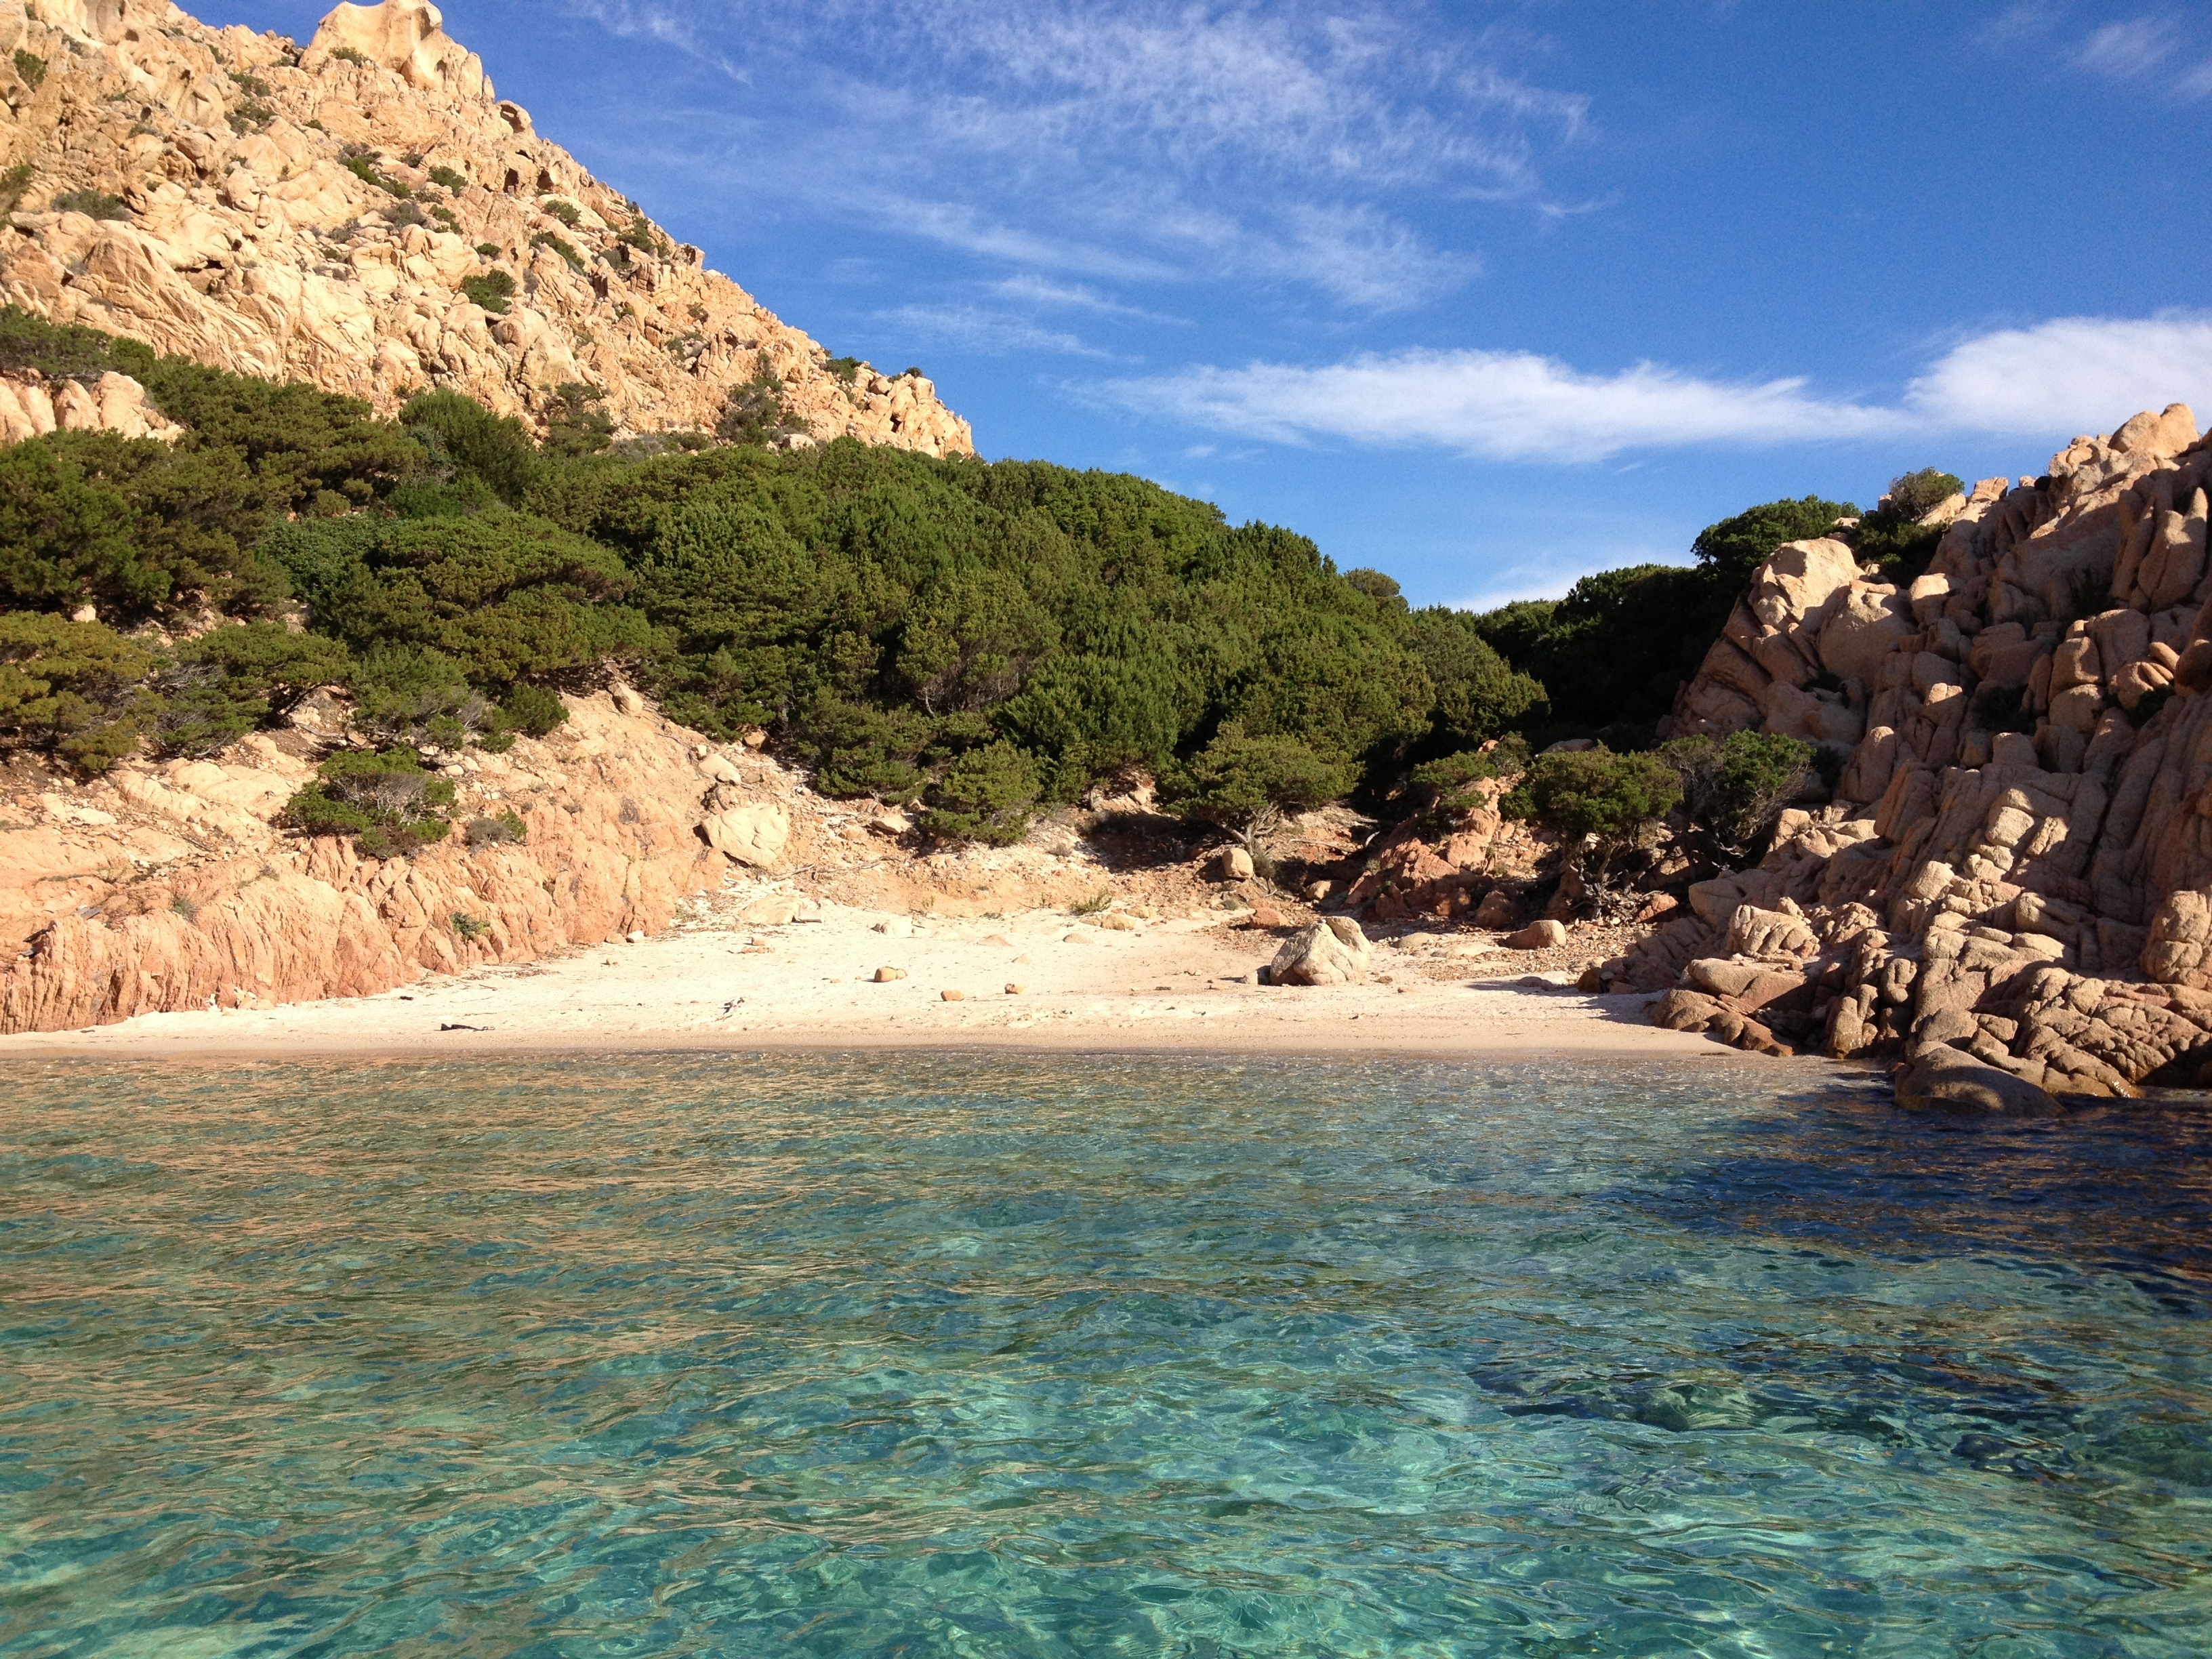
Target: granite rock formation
column 171, row 886
column 2017, row 864
column 346, row 214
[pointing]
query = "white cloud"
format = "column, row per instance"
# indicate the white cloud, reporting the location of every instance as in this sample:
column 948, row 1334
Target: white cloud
column 973, row 328
column 2129, row 50
column 1153, row 140
column 2070, row 374
column 2058, row 377
column 1028, row 289
column 1497, row 405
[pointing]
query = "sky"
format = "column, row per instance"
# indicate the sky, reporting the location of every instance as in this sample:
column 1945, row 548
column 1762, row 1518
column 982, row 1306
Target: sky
column 1485, row 295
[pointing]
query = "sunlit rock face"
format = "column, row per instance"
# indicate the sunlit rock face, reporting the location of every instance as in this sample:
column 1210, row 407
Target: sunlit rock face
column 367, row 215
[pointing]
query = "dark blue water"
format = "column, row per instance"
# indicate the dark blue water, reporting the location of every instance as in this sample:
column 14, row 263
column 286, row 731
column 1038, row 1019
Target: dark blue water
column 921, row 1357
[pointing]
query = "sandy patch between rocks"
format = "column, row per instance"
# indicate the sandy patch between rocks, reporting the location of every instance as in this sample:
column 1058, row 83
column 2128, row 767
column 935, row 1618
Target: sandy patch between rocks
column 1189, row 984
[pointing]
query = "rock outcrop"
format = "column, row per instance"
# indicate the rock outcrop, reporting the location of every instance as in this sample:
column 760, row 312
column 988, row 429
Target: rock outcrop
column 2017, row 865
column 165, row 887
column 1331, row 951
column 318, row 215
column 31, row 406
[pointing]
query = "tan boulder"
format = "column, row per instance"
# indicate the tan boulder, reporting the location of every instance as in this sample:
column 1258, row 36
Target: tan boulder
column 754, row 835
column 1497, row 909
column 1866, row 623
column 406, row 36
column 1232, row 864
column 2168, row 433
column 1332, row 952
column 1538, row 936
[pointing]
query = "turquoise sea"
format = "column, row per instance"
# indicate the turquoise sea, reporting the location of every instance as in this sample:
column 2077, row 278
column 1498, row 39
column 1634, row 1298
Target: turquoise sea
column 1091, row 1355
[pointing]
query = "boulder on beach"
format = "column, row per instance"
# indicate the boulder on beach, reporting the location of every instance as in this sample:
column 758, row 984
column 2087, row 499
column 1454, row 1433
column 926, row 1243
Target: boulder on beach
column 1332, row 952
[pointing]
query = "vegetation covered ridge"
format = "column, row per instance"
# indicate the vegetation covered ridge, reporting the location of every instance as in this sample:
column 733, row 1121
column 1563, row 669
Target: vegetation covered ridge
column 983, row 639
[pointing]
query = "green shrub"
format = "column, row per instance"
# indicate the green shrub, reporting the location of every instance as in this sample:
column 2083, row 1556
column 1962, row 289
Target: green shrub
column 639, row 234
column 31, row 67
column 400, row 690
column 470, row 928
column 463, row 437
column 532, row 711
column 1245, row 784
column 1601, row 803
column 350, row 55
column 1892, row 537
column 65, row 351
column 846, row 369
column 1737, row 546
column 445, row 216
column 447, row 179
column 572, row 427
column 251, row 85
column 385, row 800
column 13, row 181
column 507, row 828
column 986, row 795
column 92, row 203
column 251, row 115
column 1916, row 494
column 1447, row 781
column 363, row 166
column 566, row 250
column 566, row 212
column 75, row 690
column 1734, row 788
column 756, row 412
column 491, row 291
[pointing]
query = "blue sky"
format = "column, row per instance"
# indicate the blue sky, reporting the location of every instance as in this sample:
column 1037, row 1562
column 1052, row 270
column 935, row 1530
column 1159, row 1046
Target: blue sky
column 1484, row 295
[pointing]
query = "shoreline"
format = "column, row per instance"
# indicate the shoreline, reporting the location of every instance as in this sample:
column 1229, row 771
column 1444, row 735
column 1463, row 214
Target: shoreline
column 1172, row 987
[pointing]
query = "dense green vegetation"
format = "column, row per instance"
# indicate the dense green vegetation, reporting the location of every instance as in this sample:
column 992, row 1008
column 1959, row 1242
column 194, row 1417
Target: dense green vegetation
column 1610, row 673
column 980, row 639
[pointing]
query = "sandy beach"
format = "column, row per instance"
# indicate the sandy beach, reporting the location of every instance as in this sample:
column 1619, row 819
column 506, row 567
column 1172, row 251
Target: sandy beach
column 1186, row 984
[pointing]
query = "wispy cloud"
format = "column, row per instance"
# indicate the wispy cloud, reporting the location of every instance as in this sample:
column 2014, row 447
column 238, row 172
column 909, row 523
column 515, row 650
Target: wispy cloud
column 2127, row 50
column 1153, row 141
column 1047, row 294
column 2066, row 375
column 985, row 331
column 2131, row 51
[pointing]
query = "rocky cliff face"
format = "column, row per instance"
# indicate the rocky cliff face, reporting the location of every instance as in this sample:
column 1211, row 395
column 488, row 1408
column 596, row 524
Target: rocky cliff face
column 315, row 215
column 2016, row 874
column 164, row 887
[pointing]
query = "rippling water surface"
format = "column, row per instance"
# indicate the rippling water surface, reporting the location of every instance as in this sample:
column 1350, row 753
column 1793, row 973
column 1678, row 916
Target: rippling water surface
column 1089, row 1356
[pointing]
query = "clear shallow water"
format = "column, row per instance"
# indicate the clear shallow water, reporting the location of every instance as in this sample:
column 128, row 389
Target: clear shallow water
column 981, row 1357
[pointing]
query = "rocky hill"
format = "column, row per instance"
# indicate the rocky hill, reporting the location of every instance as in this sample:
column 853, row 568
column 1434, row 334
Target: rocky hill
column 2012, row 886
column 368, row 215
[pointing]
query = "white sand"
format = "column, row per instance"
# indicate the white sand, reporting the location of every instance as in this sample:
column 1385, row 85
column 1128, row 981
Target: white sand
column 1186, row 985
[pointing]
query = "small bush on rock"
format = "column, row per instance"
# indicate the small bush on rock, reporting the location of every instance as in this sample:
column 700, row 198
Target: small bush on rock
column 986, row 795
column 1244, row 785
column 385, row 800
column 92, row 203
column 491, row 291
column 507, row 828
column 1600, row 803
column 1734, row 788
